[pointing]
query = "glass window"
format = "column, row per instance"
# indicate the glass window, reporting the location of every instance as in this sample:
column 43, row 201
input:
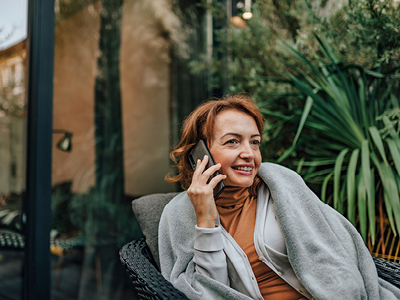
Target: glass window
column 111, row 137
column 111, row 120
column 13, row 34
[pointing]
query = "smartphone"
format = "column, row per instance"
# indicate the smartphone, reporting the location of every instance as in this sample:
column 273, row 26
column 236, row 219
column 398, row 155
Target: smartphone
column 198, row 152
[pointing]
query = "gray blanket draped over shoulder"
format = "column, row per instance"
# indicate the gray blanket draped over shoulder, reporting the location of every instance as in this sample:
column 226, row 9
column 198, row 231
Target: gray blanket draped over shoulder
column 325, row 250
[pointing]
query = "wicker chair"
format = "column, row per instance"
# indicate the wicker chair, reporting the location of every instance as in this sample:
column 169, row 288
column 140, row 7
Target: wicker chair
column 145, row 275
column 138, row 255
column 10, row 240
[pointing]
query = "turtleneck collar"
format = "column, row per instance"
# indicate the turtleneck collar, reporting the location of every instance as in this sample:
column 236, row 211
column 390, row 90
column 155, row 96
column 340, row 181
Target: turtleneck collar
column 233, row 196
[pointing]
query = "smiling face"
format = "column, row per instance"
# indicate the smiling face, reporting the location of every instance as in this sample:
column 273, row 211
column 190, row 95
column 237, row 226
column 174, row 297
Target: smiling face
column 235, row 145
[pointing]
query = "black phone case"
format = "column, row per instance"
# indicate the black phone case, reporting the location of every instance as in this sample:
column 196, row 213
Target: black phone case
column 198, row 152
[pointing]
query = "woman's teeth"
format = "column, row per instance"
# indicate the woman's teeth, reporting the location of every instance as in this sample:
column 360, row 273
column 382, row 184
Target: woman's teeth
column 243, row 168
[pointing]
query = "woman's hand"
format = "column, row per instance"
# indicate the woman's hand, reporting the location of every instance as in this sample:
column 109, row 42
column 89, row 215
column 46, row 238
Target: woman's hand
column 201, row 193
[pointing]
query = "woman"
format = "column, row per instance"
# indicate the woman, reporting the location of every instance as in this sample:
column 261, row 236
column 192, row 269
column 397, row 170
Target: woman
column 267, row 236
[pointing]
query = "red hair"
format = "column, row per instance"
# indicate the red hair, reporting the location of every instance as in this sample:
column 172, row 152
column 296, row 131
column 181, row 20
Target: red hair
column 199, row 126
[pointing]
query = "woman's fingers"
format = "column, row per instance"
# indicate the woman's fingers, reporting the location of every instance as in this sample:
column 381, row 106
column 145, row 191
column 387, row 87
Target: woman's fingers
column 201, row 168
column 211, row 170
column 200, row 192
column 202, row 180
column 215, row 180
column 201, row 165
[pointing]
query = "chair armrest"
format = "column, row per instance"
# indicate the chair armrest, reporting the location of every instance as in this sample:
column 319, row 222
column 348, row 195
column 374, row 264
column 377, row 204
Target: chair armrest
column 388, row 270
column 146, row 278
column 150, row 284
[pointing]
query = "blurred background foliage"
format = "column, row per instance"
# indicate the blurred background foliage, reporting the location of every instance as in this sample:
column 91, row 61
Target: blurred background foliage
column 325, row 75
column 252, row 58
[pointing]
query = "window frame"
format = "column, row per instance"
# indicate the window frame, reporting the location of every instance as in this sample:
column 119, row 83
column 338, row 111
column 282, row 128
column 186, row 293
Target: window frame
column 37, row 203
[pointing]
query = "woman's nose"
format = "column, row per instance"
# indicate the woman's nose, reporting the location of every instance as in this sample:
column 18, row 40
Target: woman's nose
column 247, row 152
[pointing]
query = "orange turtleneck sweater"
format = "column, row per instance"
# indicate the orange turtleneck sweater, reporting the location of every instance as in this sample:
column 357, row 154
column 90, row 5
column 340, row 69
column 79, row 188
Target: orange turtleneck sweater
column 237, row 212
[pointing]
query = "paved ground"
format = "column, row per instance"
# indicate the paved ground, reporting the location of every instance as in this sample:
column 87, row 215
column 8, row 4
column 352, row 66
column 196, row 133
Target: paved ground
column 78, row 278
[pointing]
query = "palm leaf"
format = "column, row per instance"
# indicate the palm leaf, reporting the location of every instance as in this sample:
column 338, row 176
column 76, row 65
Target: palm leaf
column 317, row 162
column 389, row 211
column 392, row 131
column 336, row 180
column 314, row 70
column 395, row 101
column 324, row 186
column 391, row 193
column 394, row 151
column 376, row 137
column 286, row 154
column 306, row 111
column 371, row 207
column 365, row 157
column 390, row 186
column 362, row 204
column 300, row 165
column 351, row 186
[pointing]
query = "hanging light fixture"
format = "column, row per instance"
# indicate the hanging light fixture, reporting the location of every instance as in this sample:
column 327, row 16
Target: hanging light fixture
column 247, row 7
column 65, row 144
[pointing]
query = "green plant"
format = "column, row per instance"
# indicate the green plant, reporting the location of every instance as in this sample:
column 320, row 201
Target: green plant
column 101, row 221
column 363, row 32
column 60, row 200
column 347, row 138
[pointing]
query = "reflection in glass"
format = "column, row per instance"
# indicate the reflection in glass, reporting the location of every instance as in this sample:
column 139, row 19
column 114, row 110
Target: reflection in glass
column 13, row 33
column 112, row 102
column 112, row 92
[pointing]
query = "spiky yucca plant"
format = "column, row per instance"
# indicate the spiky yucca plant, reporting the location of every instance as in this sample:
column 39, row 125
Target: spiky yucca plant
column 339, row 142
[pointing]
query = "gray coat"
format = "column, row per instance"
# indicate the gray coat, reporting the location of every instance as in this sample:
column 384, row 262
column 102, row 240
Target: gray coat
column 325, row 250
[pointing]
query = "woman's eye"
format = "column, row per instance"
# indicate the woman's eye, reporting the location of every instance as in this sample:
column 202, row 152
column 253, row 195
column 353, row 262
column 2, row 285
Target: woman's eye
column 231, row 142
column 255, row 142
